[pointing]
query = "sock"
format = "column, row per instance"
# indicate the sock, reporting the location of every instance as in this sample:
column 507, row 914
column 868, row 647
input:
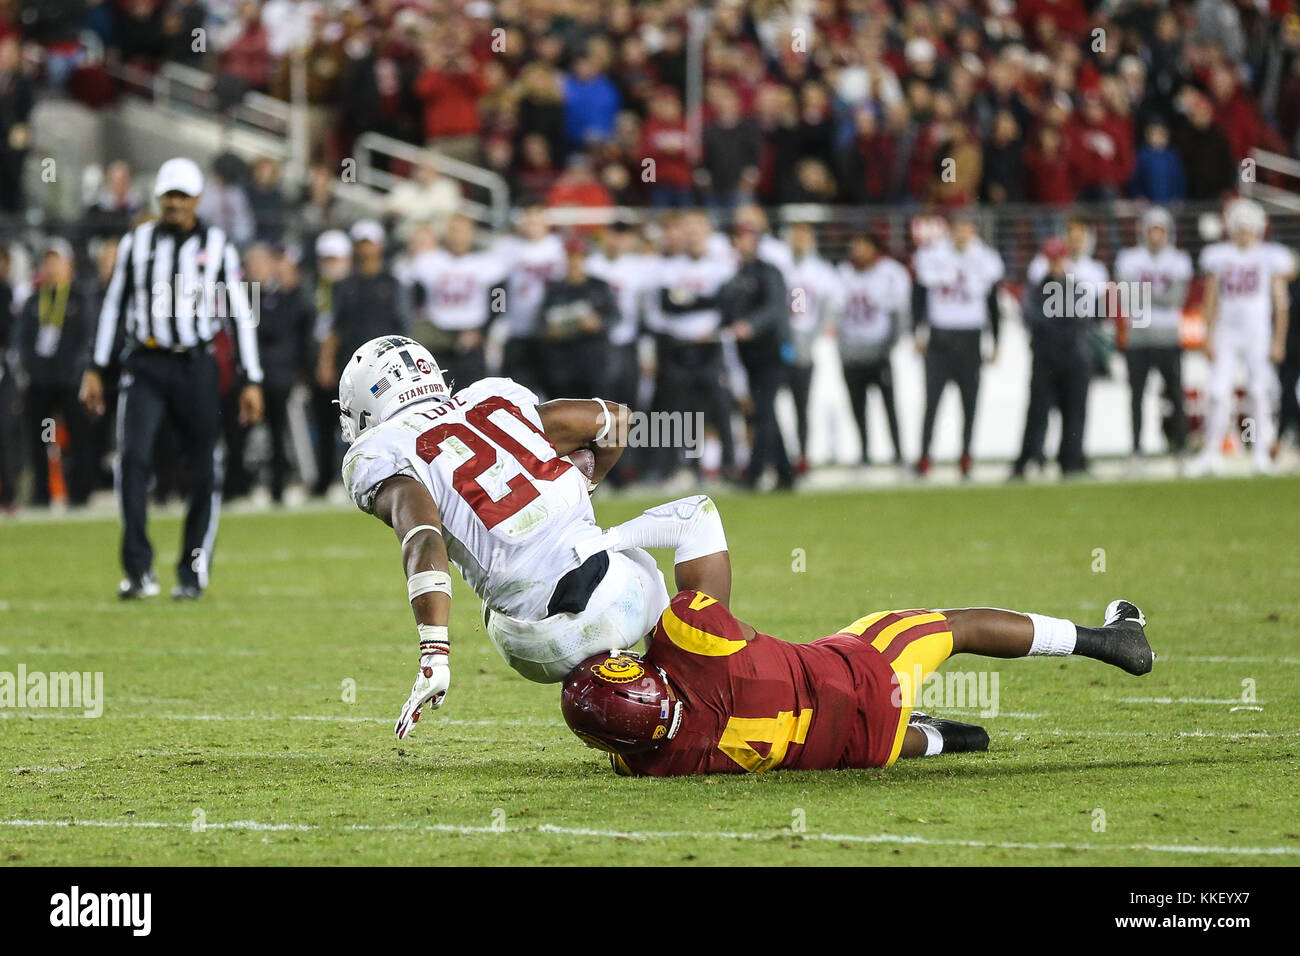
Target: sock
column 1053, row 636
column 933, row 739
column 1093, row 642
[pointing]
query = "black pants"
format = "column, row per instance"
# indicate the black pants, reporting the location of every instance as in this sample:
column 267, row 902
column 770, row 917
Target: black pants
column 858, row 377
column 182, row 388
column 1059, row 379
column 43, row 403
column 329, row 440
column 769, row 447
column 953, row 355
column 521, row 360
column 622, row 378
column 1168, row 361
column 575, row 368
column 237, row 481
column 277, row 420
column 690, row 381
column 9, row 442
column 1288, row 374
column 800, row 379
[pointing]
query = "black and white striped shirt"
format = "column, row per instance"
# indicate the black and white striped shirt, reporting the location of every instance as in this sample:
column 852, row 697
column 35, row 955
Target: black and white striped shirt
column 173, row 290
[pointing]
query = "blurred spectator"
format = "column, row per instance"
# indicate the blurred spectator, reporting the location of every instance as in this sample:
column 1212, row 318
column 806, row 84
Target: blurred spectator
column 429, row 197
column 1205, row 151
column 54, row 334
column 576, row 313
column 284, row 329
column 180, row 20
column 1159, row 175
column 269, row 205
column 116, row 204
column 224, row 202
column 591, row 103
column 1003, row 162
column 866, row 161
column 578, row 187
column 9, row 395
column 449, row 87
column 540, row 108
column 243, row 48
column 16, row 101
column 731, row 151
column 666, row 142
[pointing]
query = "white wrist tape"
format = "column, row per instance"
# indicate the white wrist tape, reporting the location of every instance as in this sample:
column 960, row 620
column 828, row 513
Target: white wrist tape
column 417, row 529
column 433, row 640
column 425, row 581
column 609, row 421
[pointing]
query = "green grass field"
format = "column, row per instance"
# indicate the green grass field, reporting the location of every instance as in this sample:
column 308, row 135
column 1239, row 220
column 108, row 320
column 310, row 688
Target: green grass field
column 225, row 737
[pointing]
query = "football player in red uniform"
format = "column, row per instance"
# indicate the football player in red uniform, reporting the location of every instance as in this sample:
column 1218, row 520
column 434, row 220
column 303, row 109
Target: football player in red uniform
column 713, row 695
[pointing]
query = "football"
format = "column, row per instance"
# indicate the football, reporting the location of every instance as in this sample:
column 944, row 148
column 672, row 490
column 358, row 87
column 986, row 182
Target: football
column 585, row 461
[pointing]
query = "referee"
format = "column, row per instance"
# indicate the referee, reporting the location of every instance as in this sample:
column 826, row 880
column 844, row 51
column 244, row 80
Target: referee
column 174, row 282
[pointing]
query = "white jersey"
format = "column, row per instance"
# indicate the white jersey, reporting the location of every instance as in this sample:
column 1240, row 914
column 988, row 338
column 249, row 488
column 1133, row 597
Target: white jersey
column 532, row 264
column 1165, row 273
column 457, row 288
column 627, row 276
column 815, row 296
column 692, row 277
column 511, row 509
column 958, row 281
column 872, row 297
column 1245, row 281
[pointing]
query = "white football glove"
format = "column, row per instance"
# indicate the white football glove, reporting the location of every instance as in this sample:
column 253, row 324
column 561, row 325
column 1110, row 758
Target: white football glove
column 430, row 688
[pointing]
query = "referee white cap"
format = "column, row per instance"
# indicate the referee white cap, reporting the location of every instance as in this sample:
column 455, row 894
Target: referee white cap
column 333, row 244
column 178, row 175
column 367, row 230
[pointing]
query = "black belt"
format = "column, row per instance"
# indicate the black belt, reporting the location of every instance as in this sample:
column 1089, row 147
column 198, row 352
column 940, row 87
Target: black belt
column 574, row 590
column 180, row 351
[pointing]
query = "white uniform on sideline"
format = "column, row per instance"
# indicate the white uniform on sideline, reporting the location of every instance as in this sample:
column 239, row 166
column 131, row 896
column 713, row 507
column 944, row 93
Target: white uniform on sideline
column 512, row 514
column 1243, row 332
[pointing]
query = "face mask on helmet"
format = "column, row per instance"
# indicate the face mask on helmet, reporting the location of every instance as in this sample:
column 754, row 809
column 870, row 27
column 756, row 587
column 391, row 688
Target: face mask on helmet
column 619, row 704
column 384, row 377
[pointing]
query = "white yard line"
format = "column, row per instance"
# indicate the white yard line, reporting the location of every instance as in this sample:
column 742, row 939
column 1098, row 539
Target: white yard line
column 585, row 832
column 1180, row 700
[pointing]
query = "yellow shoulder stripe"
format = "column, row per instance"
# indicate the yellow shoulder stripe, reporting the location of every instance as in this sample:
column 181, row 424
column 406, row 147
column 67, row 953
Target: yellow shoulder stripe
column 696, row 641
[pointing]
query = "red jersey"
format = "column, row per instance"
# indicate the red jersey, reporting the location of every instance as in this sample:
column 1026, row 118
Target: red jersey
column 763, row 703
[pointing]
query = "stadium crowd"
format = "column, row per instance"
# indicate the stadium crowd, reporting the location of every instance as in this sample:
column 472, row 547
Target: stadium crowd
column 858, row 102
column 828, row 101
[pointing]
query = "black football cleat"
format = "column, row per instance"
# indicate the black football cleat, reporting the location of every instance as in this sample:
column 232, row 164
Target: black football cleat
column 1128, row 648
column 187, row 592
column 133, row 589
column 958, row 738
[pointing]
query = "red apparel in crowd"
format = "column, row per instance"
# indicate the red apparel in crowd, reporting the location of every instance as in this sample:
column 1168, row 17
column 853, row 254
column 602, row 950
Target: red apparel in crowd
column 591, row 193
column 450, row 102
column 1070, row 17
column 1051, row 179
column 667, row 145
column 249, row 57
column 1103, row 151
column 1240, row 121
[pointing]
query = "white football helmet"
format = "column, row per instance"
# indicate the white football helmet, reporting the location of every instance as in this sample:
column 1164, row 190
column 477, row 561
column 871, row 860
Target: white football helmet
column 383, row 377
column 1245, row 215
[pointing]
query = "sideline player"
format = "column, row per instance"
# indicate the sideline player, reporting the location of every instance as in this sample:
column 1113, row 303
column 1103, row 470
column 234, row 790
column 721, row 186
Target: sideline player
column 1245, row 286
column 479, row 479
column 713, row 695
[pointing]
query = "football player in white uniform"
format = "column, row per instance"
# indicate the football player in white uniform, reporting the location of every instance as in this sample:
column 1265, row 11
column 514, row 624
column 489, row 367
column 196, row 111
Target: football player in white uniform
column 480, row 479
column 958, row 278
column 877, row 299
column 1245, row 286
column 1157, row 264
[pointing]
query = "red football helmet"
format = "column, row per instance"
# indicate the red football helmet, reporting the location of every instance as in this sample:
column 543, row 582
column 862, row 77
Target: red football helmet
column 618, row 703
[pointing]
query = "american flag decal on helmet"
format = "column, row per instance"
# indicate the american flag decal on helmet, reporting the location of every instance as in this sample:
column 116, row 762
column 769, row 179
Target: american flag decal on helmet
column 379, row 387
